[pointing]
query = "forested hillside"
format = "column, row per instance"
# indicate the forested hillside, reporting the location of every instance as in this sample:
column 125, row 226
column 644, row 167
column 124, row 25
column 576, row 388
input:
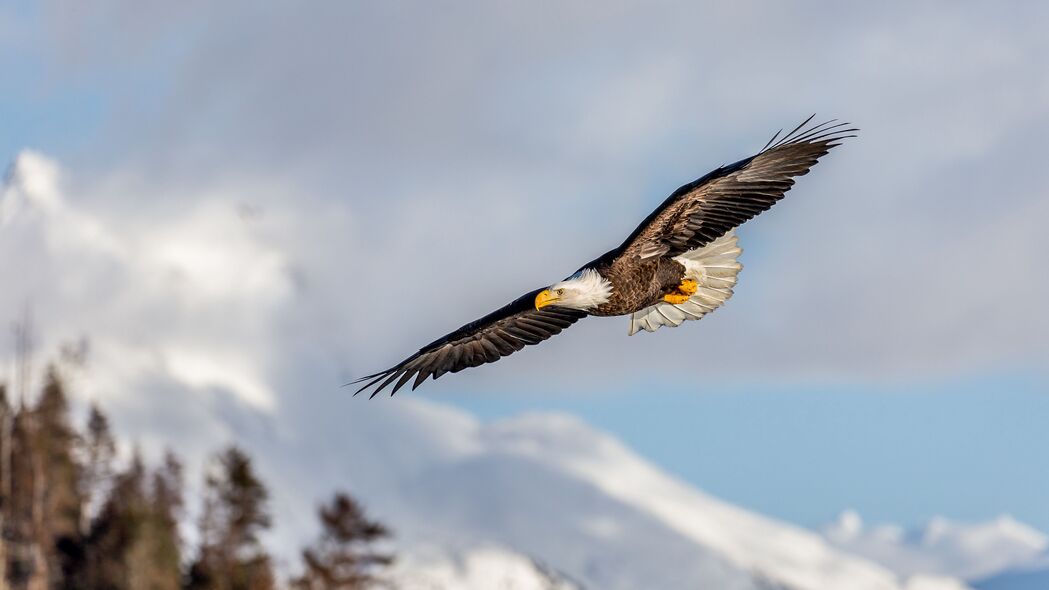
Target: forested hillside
column 75, row 514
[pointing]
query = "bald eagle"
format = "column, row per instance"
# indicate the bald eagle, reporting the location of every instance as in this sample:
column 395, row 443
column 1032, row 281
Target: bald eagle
column 679, row 264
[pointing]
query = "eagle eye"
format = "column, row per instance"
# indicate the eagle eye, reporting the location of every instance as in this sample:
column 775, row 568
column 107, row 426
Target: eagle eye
column 560, row 291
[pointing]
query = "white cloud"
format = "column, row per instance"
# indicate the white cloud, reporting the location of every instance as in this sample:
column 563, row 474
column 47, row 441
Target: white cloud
column 970, row 551
column 182, row 296
column 484, row 161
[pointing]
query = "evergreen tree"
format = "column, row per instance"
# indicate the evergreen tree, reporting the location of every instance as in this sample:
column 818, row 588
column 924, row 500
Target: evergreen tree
column 155, row 560
column 343, row 557
column 6, row 418
column 56, row 478
column 24, row 560
column 116, row 531
column 134, row 542
column 55, row 442
column 235, row 513
column 98, row 452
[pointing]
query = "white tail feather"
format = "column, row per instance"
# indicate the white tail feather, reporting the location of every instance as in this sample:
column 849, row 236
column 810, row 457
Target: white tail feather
column 714, row 267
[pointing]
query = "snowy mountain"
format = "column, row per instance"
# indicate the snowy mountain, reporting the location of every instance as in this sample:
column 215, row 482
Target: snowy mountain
column 481, row 568
column 212, row 321
column 574, row 498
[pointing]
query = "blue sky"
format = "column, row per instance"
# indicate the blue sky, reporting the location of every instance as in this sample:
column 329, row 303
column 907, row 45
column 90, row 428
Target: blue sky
column 969, row 448
column 886, row 349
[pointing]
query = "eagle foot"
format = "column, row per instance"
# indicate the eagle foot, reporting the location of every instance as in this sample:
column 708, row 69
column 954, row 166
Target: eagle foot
column 686, row 289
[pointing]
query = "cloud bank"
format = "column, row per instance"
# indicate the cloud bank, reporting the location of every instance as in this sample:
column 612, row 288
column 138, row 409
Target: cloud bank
column 402, row 155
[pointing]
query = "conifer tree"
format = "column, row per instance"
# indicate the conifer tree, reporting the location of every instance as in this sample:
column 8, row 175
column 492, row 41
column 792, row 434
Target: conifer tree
column 56, row 477
column 343, row 557
column 115, row 531
column 6, row 418
column 98, row 450
column 155, row 559
column 134, row 542
column 231, row 556
column 55, row 442
column 24, row 564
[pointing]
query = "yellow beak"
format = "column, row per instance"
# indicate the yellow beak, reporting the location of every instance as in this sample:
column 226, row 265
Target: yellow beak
column 544, row 298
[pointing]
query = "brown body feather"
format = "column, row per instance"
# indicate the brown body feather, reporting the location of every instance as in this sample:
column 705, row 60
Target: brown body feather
column 636, row 284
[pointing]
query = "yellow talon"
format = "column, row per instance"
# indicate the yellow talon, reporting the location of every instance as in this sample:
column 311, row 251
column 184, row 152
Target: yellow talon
column 686, row 289
column 675, row 298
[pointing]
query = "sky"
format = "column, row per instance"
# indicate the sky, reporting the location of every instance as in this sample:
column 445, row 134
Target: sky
column 349, row 181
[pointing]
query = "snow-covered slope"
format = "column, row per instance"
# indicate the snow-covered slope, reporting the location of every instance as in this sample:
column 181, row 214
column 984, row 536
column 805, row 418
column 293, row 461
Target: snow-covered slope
column 554, row 489
column 789, row 556
column 480, row 568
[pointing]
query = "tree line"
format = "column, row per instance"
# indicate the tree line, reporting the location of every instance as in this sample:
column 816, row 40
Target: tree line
column 74, row 516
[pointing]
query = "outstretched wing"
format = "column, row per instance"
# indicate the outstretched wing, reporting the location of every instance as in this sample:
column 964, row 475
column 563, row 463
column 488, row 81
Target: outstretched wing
column 702, row 211
column 498, row 334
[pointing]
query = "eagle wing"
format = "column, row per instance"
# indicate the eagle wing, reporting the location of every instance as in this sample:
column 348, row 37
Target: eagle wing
column 498, row 334
column 704, row 210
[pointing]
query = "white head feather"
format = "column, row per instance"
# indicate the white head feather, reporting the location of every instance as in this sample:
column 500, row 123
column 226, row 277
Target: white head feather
column 584, row 290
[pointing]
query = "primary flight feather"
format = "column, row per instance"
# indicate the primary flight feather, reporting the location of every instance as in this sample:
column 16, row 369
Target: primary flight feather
column 679, row 264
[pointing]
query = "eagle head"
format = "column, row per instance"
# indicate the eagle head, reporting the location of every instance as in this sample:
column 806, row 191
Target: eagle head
column 584, row 290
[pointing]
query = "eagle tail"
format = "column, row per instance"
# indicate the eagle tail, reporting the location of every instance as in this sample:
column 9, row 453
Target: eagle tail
column 714, row 267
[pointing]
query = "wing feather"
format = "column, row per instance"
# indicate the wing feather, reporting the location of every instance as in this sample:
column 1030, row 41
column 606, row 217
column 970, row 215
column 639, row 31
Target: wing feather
column 498, row 334
column 704, row 210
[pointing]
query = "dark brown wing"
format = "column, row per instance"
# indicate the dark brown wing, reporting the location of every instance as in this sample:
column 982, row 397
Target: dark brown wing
column 702, row 211
column 498, row 334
